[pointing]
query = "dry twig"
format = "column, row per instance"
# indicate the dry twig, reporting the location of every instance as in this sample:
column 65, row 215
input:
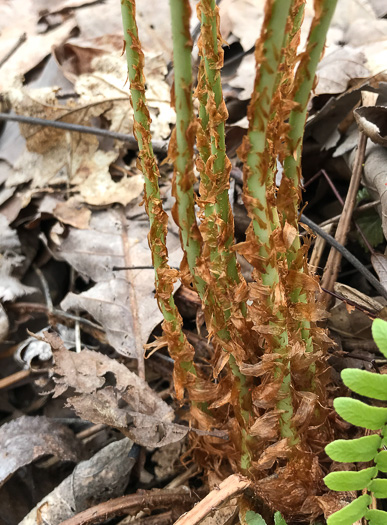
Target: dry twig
column 132, row 503
column 229, row 488
column 332, row 266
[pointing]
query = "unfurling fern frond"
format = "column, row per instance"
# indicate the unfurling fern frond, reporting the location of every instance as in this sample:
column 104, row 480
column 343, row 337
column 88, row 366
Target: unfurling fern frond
column 368, row 448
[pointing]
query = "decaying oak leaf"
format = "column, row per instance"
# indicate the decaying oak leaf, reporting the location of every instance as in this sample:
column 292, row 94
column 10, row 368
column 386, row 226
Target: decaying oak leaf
column 98, row 479
column 372, row 120
column 129, row 404
column 123, row 302
column 26, row 439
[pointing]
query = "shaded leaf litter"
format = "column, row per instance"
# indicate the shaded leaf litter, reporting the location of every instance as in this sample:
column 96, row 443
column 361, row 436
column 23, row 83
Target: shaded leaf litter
column 76, row 197
column 102, row 477
column 28, row 438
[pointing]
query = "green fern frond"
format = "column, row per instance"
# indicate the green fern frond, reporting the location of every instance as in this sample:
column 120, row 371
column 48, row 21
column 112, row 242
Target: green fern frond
column 362, row 449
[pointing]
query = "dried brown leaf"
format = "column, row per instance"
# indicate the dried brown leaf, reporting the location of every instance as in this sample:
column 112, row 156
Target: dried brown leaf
column 130, row 405
column 281, row 449
column 26, row 439
column 338, row 68
column 266, row 427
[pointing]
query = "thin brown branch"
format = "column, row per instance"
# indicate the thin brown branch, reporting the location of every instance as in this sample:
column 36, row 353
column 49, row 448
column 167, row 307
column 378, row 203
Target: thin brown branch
column 345, row 253
column 159, row 146
column 134, row 503
column 229, row 488
column 332, row 267
column 24, row 307
column 91, row 431
column 12, row 379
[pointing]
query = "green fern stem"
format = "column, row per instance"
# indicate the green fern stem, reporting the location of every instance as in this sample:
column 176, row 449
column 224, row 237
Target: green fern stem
column 259, row 192
column 218, row 166
column 303, row 85
column 182, row 141
column 216, row 312
column 179, row 347
column 304, row 81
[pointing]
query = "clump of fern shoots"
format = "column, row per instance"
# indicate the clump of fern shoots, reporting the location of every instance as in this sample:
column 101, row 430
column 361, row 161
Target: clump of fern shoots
column 265, row 383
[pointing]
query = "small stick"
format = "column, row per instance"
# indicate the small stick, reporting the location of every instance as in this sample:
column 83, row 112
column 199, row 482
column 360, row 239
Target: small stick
column 132, row 502
column 229, row 488
column 14, row 378
column 41, row 308
column 159, row 146
column 183, row 477
column 91, row 431
column 318, row 249
column 332, row 267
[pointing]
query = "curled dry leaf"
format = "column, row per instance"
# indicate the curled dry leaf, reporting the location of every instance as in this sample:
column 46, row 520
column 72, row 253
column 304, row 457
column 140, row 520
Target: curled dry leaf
column 130, row 405
column 375, row 176
column 379, row 262
column 379, row 6
column 281, row 449
column 26, row 439
column 297, row 483
column 372, row 121
column 102, row 477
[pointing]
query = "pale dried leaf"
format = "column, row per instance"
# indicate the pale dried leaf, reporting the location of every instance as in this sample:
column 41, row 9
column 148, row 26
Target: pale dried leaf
column 102, row 477
column 363, row 300
column 24, row 18
column 122, row 302
column 154, row 25
column 72, row 213
column 4, row 324
column 338, row 68
column 26, row 439
column 379, row 6
column 99, row 190
column 379, row 262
